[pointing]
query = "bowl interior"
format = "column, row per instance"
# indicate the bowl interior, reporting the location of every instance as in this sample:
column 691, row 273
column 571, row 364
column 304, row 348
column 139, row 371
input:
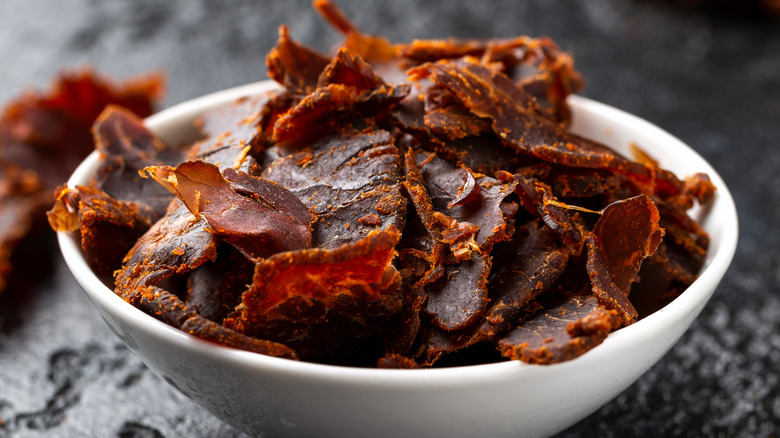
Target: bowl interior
column 540, row 399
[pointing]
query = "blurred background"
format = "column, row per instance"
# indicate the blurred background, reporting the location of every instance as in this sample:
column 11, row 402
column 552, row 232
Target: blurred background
column 706, row 71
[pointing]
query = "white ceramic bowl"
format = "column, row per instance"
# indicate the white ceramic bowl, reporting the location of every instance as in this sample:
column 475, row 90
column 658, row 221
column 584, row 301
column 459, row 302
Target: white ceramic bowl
column 269, row 396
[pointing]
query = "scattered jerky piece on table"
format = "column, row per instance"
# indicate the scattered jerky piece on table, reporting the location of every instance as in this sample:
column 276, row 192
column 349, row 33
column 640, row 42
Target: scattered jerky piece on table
column 44, row 136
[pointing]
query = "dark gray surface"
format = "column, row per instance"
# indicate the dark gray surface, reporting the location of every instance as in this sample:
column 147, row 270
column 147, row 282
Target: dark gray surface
column 714, row 81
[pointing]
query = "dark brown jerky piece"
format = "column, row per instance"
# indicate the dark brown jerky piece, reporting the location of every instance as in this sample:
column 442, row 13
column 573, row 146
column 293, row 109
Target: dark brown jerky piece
column 539, row 200
column 257, row 216
column 403, row 331
column 127, row 146
column 177, row 243
column 459, row 297
column 351, row 181
column 348, row 69
column 540, row 69
column 320, row 274
column 443, row 181
column 560, row 333
column 211, row 331
column 436, row 343
column 229, row 129
column 516, row 120
column 626, row 233
column 320, row 300
column 567, row 182
column 453, row 122
column 168, row 308
column 48, row 134
column 16, row 221
column 427, row 244
column 327, row 108
column 44, row 136
column 532, row 262
column 214, row 289
column 374, row 49
column 109, row 228
column 294, row 66
column 420, row 51
column 396, row 361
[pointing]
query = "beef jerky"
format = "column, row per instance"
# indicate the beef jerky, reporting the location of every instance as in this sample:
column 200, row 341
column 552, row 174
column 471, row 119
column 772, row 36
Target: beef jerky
column 320, row 300
column 229, row 129
column 177, row 243
column 168, row 308
column 49, row 133
column 374, row 49
column 325, row 109
column 294, row 66
column 532, row 262
column 443, row 181
column 214, row 289
column 427, row 245
column 538, row 199
column 255, row 215
column 44, row 136
column 351, row 181
column 567, row 183
column 108, row 227
column 127, row 146
column 396, row 361
column 540, row 69
column 626, row 233
column 211, row 331
column 459, row 297
column 560, row 333
column 516, row 119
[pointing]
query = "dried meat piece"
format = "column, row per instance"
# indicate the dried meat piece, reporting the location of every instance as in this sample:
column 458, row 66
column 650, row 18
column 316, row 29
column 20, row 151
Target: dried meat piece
column 443, row 182
column 396, row 361
column 350, row 180
column 516, row 119
column 459, row 297
column 328, row 108
column 108, row 227
column 374, row 49
column 322, row 301
column 227, row 130
column 532, row 261
column 425, row 245
column 177, row 243
column 214, row 289
column 168, row 308
column 626, row 233
column 44, row 136
column 348, row 69
column 538, row 199
column 294, row 66
column 560, row 333
column 257, row 216
column 540, row 69
column 126, row 146
column 211, row 331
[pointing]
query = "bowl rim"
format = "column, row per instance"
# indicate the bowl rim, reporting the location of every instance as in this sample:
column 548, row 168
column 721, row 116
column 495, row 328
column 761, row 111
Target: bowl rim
column 691, row 300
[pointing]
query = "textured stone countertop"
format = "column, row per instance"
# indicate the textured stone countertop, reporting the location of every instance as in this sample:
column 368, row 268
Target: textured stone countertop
column 711, row 79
